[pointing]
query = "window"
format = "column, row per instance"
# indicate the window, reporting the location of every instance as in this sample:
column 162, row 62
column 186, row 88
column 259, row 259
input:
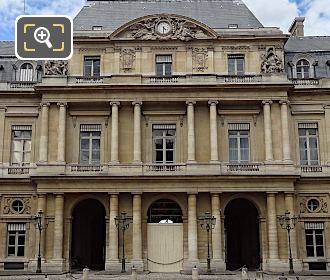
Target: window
column 303, row 69
column 26, row 72
column 314, row 233
column 236, row 65
column 313, row 205
column 239, row 147
column 92, row 66
column 97, row 27
column 21, row 145
column 163, row 65
column 164, row 143
column 90, row 142
column 16, row 240
column 308, row 143
column 17, row 206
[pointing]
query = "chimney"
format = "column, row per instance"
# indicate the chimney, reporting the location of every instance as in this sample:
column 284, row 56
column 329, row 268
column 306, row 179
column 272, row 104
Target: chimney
column 297, row 27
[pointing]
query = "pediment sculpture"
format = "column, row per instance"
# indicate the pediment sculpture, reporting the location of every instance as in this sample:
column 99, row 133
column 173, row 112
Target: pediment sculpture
column 271, row 62
column 56, row 67
column 164, row 27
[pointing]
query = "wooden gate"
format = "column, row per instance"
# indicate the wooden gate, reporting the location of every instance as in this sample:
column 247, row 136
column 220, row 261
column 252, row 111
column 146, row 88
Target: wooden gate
column 165, row 247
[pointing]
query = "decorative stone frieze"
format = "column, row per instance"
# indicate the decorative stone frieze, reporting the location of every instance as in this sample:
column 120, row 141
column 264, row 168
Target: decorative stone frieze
column 271, row 62
column 127, row 59
column 199, row 59
column 320, row 207
column 56, row 67
column 175, row 28
column 17, row 205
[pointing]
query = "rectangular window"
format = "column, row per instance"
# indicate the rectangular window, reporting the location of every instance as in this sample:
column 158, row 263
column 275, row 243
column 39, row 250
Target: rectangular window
column 239, row 147
column 21, row 145
column 163, row 65
column 90, row 143
column 16, row 240
column 236, row 65
column 91, row 66
column 314, row 233
column 308, row 143
column 164, row 143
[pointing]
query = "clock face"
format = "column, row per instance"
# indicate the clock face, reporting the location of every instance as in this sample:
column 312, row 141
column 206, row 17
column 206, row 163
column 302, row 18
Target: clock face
column 163, row 27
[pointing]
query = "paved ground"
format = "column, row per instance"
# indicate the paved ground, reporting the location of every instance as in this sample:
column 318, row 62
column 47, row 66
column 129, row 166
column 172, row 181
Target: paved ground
column 157, row 276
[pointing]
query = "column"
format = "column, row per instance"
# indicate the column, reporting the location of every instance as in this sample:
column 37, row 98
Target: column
column 192, row 229
column 216, row 232
column 114, row 132
column 61, row 132
column 2, row 130
column 43, row 145
column 58, row 227
column 289, row 206
column 191, row 130
column 41, row 207
column 286, row 153
column 113, row 231
column 268, row 131
column 137, row 131
column 272, row 227
column 213, row 131
column 137, row 232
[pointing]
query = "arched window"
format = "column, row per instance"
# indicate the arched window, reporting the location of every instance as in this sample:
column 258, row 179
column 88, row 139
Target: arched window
column 303, row 69
column 26, row 72
column 165, row 211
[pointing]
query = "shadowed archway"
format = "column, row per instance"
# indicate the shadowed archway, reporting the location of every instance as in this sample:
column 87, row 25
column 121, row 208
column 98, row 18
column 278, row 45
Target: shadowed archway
column 88, row 235
column 242, row 235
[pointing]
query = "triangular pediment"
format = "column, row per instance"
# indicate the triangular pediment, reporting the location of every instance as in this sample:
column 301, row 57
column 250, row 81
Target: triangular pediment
column 164, row 27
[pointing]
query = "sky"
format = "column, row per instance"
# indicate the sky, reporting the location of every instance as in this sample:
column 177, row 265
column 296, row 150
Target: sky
column 273, row 13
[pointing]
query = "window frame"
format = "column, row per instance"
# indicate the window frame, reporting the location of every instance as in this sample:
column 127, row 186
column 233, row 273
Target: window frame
column 308, row 149
column 164, row 64
column 26, row 74
column 164, row 149
column 16, row 234
column 300, row 65
column 92, row 59
column 90, row 149
column 238, row 138
column 315, row 245
column 22, row 152
column 235, row 58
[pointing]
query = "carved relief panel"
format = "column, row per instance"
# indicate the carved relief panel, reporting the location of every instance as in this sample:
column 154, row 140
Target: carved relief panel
column 200, row 59
column 16, row 205
column 313, row 205
column 127, row 59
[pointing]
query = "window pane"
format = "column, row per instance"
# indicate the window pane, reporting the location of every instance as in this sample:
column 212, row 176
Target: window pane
column 159, row 156
column 240, row 66
column 17, row 145
column 169, row 144
column 96, row 144
column 310, row 251
column 168, row 69
column 96, row 68
column 21, row 240
column 231, row 66
column 302, row 132
column 169, row 156
column 96, row 156
column 245, row 143
column 27, row 146
column 84, row 144
column 84, row 156
column 26, row 134
column 233, row 143
column 244, row 154
column 158, row 144
column 11, row 239
column 309, row 239
column 20, row 251
column 233, row 155
column 313, row 143
column 159, row 69
column 16, row 158
column 319, row 251
column 88, row 68
column 319, row 239
column 11, row 251
column 27, row 157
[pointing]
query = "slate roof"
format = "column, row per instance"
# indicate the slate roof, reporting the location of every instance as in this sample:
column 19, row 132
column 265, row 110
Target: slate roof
column 7, row 48
column 216, row 14
column 308, row 44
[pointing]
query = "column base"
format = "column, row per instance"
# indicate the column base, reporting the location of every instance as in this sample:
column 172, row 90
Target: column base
column 56, row 265
column 277, row 265
column 138, row 264
column 33, row 263
column 113, row 266
column 218, row 265
column 188, row 265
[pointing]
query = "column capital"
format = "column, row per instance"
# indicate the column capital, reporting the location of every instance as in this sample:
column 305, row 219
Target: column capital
column 216, row 193
column 114, row 103
column 192, row 193
column 137, row 103
column 3, row 108
column 136, row 193
column 113, row 193
column 267, row 102
column 44, row 104
column 62, row 104
column 190, row 102
column 289, row 193
column 272, row 193
column 284, row 102
column 212, row 102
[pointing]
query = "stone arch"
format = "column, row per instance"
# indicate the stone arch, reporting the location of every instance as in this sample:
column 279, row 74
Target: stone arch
column 181, row 28
column 80, row 198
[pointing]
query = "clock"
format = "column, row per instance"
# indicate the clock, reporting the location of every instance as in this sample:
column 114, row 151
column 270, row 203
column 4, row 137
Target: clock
column 164, row 28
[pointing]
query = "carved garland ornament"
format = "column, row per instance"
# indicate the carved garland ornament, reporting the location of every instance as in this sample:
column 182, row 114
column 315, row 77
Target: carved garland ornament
column 165, row 27
column 322, row 208
column 17, row 205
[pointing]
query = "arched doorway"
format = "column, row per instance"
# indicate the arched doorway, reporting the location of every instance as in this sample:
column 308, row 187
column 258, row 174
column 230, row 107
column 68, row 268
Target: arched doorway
column 88, row 235
column 165, row 236
column 242, row 235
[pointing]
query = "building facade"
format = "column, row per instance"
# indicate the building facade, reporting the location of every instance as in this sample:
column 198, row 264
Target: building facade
column 167, row 110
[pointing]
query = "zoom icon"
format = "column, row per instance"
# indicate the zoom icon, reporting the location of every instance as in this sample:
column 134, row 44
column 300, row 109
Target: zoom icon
column 44, row 37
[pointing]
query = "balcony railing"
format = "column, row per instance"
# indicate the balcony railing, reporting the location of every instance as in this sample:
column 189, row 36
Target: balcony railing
column 164, row 80
column 22, row 84
column 243, row 167
column 311, row 169
column 88, row 79
column 306, row 82
column 239, row 79
column 168, row 167
column 86, row 168
column 18, row 170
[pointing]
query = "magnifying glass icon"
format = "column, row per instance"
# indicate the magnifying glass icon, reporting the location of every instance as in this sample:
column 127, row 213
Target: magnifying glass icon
column 42, row 35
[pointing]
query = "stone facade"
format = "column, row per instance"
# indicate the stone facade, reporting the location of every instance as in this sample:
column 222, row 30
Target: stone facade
column 203, row 101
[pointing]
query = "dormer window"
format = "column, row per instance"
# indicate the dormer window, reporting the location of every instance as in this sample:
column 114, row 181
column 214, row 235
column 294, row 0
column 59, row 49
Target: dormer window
column 97, row 28
column 303, row 69
column 26, row 72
